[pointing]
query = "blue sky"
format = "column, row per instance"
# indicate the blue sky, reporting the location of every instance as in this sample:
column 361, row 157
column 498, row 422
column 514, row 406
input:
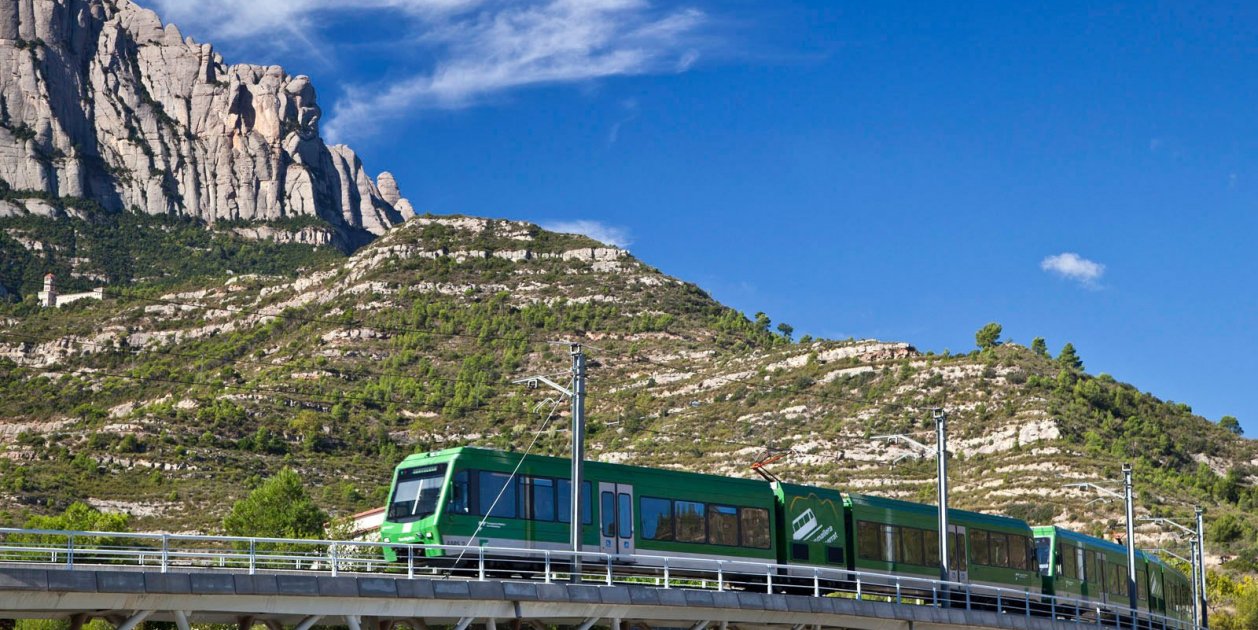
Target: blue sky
column 906, row 171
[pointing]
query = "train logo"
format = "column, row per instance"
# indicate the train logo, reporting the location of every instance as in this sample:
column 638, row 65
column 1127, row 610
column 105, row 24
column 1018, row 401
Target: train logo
column 804, row 525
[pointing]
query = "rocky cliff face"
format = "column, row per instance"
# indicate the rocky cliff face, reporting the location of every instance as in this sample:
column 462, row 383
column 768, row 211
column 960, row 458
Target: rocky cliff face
column 99, row 100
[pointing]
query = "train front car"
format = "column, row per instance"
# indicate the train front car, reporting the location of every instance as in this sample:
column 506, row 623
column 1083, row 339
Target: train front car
column 417, row 498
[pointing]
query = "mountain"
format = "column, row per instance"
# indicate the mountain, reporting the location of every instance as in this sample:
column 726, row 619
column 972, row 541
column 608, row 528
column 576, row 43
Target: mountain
column 168, row 401
column 100, row 102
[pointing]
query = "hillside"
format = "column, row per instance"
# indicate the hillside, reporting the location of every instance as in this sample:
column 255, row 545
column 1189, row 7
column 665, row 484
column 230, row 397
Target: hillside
column 170, row 401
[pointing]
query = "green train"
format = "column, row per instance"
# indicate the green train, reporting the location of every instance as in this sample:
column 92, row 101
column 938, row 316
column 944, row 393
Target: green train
column 1085, row 567
column 443, row 497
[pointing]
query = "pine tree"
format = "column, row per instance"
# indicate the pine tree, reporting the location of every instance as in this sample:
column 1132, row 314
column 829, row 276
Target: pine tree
column 1069, row 359
column 988, row 336
column 1039, row 347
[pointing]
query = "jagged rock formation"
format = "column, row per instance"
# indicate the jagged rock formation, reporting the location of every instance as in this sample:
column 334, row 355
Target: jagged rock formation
column 99, row 100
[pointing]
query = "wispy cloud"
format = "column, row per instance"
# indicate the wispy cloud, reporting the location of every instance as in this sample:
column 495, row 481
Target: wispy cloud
column 597, row 230
column 1072, row 266
column 462, row 52
column 490, row 51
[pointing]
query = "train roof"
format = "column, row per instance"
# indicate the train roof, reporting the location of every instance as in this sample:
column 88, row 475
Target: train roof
column 1061, row 532
column 512, row 457
column 978, row 518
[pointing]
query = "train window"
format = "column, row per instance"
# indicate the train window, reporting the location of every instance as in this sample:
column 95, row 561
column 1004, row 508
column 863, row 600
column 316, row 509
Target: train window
column 657, row 518
column 867, row 547
column 1142, row 584
column 956, row 551
column 541, row 499
column 1043, row 546
column 607, row 513
column 834, row 555
column 1000, row 549
column 496, row 491
column 624, row 513
column 458, row 502
column 799, row 551
column 1094, row 575
column 563, row 496
column 1069, row 561
column 930, row 547
column 416, row 492
column 690, row 522
column 722, row 525
column 980, row 546
column 890, row 543
column 911, row 546
column 754, row 527
column 1018, row 552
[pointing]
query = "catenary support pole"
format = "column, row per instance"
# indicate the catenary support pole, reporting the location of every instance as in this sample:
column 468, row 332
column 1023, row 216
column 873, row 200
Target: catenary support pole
column 1131, row 540
column 1196, row 584
column 578, row 454
column 941, row 439
column 1201, row 563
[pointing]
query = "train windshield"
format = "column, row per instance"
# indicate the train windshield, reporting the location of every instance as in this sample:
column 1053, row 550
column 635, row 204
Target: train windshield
column 417, row 492
column 1042, row 548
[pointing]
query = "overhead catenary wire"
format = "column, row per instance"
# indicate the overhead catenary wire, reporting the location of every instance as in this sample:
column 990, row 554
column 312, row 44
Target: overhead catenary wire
column 484, row 519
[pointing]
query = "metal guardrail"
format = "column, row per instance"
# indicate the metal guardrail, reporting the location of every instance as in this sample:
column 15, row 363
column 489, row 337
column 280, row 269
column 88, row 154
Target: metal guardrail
column 183, row 552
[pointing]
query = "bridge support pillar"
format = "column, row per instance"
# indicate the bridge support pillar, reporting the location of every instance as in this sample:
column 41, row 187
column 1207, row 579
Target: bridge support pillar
column 77, row 620
column 490, row 624
column 464, row 623
column 181, row 620
column 588, row 623
column 700, row 625
column 353, row 622
column 272, row 624
column 308, row 622
column 134, row 620
column 243, row 623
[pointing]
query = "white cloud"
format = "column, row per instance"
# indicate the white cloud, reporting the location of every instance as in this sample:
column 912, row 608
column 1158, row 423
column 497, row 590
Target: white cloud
column 462, row 51
column 487, row 52
column 1072, row 266
column 597, row 230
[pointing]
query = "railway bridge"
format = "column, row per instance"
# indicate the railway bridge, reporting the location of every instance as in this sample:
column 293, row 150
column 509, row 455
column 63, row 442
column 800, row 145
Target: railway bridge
column 127, row 579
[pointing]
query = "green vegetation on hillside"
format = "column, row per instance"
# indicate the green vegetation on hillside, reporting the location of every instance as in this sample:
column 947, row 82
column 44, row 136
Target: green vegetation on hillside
column 94, row 247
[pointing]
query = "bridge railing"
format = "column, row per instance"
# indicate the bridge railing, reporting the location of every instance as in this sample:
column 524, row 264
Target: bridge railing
column 188, row 552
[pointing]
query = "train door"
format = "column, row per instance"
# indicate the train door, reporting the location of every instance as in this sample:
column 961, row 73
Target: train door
column 958, row 569
column 615, row 510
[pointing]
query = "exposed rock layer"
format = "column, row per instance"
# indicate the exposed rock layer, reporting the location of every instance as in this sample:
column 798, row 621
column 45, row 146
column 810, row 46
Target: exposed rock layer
column 99, row 100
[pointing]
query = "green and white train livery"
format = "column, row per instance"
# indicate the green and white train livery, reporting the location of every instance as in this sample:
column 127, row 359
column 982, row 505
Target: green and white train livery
column 479, row 497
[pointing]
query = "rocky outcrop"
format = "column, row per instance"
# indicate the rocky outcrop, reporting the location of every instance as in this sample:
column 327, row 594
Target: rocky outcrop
column 99, row 100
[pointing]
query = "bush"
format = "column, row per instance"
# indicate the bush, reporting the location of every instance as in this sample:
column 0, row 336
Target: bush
column 279, row 508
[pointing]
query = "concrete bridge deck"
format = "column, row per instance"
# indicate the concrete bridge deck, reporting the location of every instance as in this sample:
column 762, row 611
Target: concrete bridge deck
column 127, row 597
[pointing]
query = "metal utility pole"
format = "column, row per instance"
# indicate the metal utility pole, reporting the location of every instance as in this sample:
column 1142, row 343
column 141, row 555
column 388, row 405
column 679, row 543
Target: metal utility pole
column 1131, row 540
column 941, row 438
column 577, row 395
column 578, row 451
column 1196, row 584
column 1201, row 562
